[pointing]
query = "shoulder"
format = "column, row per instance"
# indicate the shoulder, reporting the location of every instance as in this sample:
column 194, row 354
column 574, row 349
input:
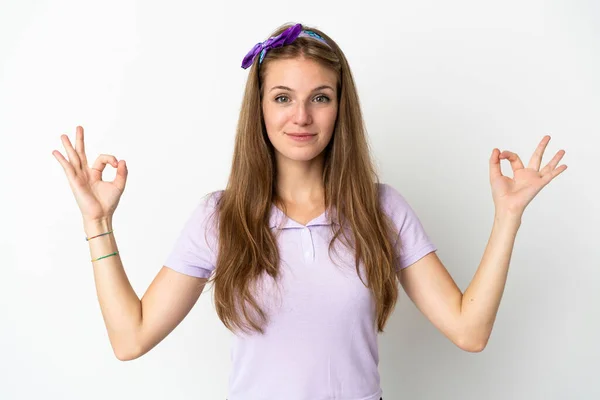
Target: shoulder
column 391, row 200
column 397, row 207
column 209, row 201
column 204, row 210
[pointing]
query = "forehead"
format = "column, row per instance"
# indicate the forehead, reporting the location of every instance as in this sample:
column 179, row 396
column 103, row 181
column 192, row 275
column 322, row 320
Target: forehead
column 298, row 74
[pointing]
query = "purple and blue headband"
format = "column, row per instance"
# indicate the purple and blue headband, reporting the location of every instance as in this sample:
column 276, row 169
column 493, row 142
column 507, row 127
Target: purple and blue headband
column 286, row 37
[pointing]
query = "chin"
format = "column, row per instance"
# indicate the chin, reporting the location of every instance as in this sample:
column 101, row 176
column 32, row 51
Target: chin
column 301, row 155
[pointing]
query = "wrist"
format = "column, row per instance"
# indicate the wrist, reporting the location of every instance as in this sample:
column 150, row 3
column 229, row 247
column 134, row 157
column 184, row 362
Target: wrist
column 509, row 218
column 97, row 226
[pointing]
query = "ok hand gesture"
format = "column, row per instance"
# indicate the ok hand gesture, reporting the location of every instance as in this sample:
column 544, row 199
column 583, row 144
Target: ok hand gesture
column 96, row 198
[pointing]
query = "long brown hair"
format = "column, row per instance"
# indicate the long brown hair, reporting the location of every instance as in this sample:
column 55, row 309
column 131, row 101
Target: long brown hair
column 247, row 248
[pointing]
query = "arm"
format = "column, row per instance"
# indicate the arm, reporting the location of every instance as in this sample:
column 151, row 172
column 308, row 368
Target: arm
column 134, row 327
column 466, row 320
column 481, row 299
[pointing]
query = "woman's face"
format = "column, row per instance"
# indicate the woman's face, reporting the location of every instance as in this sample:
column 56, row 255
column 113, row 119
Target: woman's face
column 299, row 96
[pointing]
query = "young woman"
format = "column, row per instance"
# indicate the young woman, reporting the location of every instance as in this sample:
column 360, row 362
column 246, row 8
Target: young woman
column 305, row 247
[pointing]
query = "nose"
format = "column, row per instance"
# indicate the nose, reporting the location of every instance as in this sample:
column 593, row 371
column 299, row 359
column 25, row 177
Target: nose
column 302, row 114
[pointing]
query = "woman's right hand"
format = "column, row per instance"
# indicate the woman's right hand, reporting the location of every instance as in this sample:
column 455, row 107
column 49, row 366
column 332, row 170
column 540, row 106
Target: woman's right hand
column 97, row 199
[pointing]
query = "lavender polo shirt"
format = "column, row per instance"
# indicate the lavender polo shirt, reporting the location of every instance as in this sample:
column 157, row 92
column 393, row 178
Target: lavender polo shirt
column 321, row 340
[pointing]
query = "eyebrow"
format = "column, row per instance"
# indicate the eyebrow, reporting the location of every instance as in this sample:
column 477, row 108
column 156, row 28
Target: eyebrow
column 291, row 90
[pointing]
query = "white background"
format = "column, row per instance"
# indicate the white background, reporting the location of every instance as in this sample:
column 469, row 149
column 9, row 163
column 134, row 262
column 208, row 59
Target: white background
column 159, row 84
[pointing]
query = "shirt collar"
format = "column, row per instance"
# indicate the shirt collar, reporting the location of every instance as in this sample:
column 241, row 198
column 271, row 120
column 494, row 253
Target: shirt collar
column 278, row 219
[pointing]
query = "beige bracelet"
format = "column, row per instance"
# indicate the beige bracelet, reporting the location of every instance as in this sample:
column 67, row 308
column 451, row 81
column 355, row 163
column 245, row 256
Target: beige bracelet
column 102, row 234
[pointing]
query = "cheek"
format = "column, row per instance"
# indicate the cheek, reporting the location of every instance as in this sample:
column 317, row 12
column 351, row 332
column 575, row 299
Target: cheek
column 274, row 118
column 328, row 119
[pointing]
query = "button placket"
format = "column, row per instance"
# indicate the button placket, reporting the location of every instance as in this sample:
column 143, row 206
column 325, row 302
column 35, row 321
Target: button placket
column 307, row 245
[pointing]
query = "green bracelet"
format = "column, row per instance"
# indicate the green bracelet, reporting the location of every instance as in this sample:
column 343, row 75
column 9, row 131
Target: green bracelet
column 102, row 234
column 100, row 258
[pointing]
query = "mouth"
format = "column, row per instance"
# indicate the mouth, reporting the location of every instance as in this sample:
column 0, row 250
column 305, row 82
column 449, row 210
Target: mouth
column 301, row 137
column 301, row 134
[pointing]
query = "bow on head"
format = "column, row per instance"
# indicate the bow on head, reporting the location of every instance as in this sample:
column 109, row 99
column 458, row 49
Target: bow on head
column 286, row 37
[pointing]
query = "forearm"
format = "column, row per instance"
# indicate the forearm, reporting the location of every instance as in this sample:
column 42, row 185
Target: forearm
column 121, row 308
column 481, row 299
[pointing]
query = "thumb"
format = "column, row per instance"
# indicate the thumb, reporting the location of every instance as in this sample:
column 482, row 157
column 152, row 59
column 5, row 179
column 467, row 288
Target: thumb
column 495, row 170
column 121, row 177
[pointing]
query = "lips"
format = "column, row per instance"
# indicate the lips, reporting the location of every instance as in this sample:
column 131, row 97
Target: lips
column 301, row 134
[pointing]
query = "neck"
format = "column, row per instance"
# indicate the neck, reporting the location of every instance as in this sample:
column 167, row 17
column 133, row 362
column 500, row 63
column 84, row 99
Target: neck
column 301, row 182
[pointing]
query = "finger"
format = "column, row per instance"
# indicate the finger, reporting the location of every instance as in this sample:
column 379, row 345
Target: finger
column 515, row 161
column 121, row 177
column 80, row 146
column 557, row 171
column 73, row 157
column 100, row 164
column 67, row 167
column 538, row 154
column 553, row 174
column 495, row 170
column 553, row 163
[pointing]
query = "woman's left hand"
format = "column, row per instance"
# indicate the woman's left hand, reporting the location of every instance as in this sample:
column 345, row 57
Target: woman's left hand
column 512, row 195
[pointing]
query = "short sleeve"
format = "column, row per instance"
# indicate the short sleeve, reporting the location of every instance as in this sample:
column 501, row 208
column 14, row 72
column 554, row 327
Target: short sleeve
column 194, row 251
column 412, row 242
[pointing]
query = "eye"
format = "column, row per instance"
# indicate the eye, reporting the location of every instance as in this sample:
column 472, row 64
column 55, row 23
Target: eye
column 326, row 99
column 280, row 97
